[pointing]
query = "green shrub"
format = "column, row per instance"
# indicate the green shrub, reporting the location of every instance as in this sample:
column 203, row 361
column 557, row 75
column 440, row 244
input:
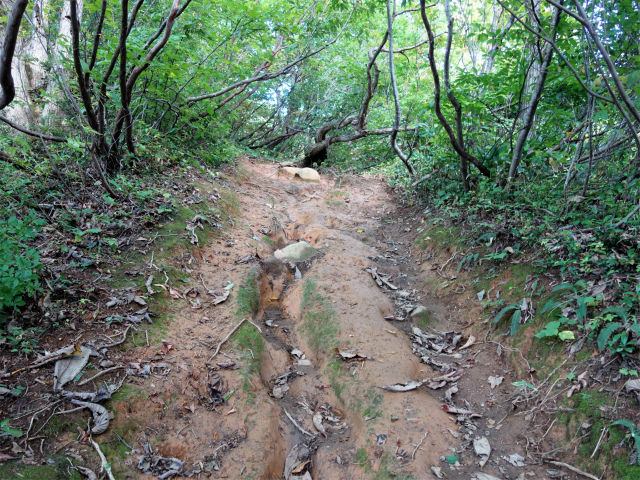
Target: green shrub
column 18, row 261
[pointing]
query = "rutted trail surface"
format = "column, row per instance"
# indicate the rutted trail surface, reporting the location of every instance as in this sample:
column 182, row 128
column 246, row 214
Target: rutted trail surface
column 294, row 405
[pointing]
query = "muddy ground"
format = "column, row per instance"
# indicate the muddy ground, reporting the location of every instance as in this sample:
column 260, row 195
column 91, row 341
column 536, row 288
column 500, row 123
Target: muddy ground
column 278, row 399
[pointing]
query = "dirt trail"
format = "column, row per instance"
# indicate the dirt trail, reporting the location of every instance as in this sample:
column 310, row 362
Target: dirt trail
column 304, row 310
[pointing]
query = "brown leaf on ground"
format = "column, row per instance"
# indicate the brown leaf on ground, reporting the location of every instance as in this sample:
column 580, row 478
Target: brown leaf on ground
column 167, row 346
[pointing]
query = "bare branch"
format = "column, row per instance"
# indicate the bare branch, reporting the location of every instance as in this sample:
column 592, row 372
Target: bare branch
column 558, row 52
column 31, row 132
column 535, row 99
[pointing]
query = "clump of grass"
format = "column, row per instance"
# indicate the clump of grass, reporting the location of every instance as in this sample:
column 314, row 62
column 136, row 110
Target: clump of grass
column 332, row 202
column 231, row 204
column 248, row 298
column 319, row 322
column 247, row 339
column 339, row 194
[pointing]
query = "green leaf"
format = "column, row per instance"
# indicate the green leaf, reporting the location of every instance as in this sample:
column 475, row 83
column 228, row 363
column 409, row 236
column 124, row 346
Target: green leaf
column 605, row 334
column 564, row 286
column 550, row 305
column 619, row 311
column 513, row 306
column 515, row 322
column 626, row 423
column 582, row 309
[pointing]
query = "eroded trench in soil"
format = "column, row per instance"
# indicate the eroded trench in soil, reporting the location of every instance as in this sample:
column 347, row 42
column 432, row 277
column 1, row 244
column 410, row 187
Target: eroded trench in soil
column 301, row 410
column 326, row 415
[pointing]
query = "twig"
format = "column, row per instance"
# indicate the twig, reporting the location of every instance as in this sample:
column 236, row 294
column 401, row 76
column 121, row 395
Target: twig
column 413, row 455
column 119, row 342
column 624, row 220
column 127, row 445
column 149, row 280
column 604, row 430
column 572, row 468
column 296, row 425
column 64, row 412
column 209, row 291
column 84, row 382
column 104, row 464
column 549, row 429
column 225, row 339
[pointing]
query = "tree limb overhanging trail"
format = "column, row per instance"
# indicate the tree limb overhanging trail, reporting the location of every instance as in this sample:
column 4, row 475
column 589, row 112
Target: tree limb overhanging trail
column 31, row 132
column 6, row 53
column 460, row 150
column 317, row 153
column 270, row 76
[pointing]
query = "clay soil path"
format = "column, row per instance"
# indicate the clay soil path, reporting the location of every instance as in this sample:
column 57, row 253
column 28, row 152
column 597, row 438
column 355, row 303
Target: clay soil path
column 289, row 372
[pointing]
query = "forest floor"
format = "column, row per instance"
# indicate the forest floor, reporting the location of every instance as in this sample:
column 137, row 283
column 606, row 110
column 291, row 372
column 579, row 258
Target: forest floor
column 278, row 397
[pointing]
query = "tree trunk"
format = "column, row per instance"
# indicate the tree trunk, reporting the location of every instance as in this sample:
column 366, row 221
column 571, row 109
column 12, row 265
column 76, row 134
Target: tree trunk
column 54, row 108
column 27, row 67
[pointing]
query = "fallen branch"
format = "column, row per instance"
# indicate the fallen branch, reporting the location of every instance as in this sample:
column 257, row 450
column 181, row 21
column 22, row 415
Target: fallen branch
column 413, row 455
column 84, row 382
column 225, row 339
column 572, row 468
column 119, row 342
column 104, row 464
column 296, row 425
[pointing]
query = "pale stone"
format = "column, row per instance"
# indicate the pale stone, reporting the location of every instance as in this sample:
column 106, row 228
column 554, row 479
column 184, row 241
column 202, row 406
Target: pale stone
column 297, row 252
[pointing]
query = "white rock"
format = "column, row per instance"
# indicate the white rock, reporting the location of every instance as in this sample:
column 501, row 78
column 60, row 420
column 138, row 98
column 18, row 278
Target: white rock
column 296, row 252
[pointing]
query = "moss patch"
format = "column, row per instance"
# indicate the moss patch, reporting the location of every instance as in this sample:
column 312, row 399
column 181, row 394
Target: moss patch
column 58, row 469
column 592, row 407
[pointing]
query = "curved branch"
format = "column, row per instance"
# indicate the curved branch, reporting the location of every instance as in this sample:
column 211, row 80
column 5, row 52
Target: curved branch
column 558, row 52
column 270, row 76
column 31, row 132
column 457, row 107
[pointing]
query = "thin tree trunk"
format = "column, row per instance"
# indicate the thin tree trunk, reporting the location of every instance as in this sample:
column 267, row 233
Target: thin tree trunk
column 436, row 94
column 7, row 51
column 464, row 173
column 396, row 101
column 535, row 99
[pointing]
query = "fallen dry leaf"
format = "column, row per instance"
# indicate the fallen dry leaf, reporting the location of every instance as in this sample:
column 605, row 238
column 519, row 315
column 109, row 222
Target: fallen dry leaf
column 402, row 387
column 460, row 411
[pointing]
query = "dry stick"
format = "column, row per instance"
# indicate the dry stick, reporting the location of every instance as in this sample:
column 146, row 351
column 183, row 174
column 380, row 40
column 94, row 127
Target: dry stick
column 84, row 382
column 119, row 342
column 413, row 455
column 573, row 469
column 296, row 425
column 225, row 339
column 604, row 430
column 104, row 464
